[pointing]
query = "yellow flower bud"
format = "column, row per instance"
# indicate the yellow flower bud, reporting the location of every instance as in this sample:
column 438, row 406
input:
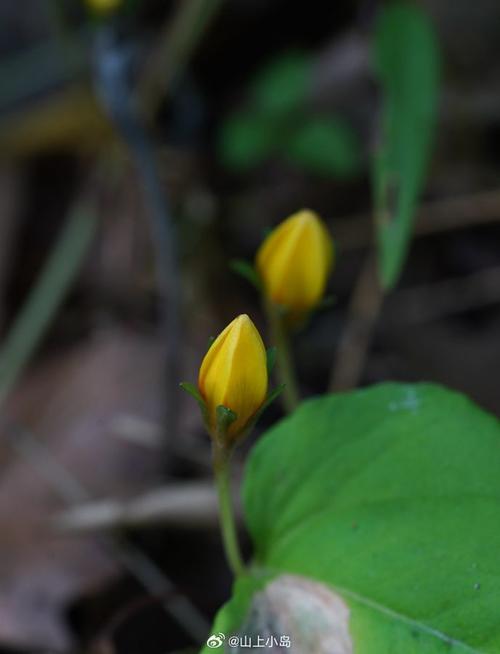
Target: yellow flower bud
column 234, row 374
column 294, row 262
column 103, row 6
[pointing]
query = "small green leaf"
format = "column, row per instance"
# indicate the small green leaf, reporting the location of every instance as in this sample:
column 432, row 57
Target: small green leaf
column 325, row 146
column 406, row 57
column 246, row 270
column 282, row 86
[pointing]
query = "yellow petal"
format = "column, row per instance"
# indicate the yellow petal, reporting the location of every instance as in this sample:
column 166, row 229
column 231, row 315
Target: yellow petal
column 294, row 262
column 234, row 373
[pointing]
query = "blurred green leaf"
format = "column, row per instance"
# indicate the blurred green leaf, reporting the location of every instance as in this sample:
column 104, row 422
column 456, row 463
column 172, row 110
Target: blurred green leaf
column 277, row 123
column 246, row 139
column 389, row 496
column 407, row 62
column 325, row 145
column 281, row 86
column 46, row 296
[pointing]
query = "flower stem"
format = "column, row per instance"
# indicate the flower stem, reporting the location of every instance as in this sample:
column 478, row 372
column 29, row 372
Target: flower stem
column 221, row 463
column 286, row 370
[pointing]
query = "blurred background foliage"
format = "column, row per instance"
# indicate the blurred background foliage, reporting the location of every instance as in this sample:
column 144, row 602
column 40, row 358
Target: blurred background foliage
column 276, row 122
column 215, row 119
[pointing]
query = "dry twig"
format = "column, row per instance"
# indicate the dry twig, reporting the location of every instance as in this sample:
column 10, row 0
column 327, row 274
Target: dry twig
column 364, row 307
column 430, row 302
column 443, row 215
column 190, row 504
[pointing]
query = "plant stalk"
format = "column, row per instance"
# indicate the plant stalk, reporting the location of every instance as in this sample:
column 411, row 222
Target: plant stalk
column 286, row 369
column 222, row 468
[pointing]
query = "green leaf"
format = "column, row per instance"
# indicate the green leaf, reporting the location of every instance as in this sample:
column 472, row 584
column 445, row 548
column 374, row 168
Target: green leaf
column 325, row 146
column 391, row 497
column 407, row 63
column 282, row 86
column 246, row 139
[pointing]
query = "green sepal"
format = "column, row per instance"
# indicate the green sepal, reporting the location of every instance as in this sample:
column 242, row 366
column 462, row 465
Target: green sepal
column 211, row 340
column 327, row 302
column 270, row 359
column 271, row 396
column 225, row 417
column 246, row 270
column 195, row 393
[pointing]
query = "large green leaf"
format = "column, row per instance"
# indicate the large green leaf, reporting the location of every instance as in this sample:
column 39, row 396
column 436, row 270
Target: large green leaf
column 390, row 496
column 407, row 63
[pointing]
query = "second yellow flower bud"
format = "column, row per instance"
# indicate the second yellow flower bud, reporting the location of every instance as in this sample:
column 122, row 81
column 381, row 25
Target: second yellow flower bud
column 294, row 262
